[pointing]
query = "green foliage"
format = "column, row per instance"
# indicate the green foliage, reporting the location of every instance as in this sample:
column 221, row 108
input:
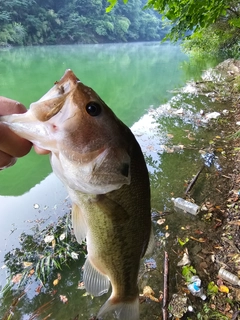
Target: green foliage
column 188, row 272
column 221, row 38
column 186, row 15
column 35, row 22
column 208, row 26
column 203, row 42
column 212, row 288
column 112, row 4
column 43, row 251
column 209, row 313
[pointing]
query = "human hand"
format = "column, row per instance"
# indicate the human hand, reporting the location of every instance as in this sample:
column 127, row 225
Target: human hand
column 11, row 145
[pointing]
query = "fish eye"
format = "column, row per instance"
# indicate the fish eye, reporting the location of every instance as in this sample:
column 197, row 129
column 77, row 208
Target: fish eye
column 93, row 109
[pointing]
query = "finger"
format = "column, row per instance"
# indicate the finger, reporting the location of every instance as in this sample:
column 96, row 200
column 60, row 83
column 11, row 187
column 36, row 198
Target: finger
column 6, row 160
column 8, row 139
column 9, row 106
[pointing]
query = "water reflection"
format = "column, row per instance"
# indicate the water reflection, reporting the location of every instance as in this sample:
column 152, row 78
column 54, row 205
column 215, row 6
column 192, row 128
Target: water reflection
column 43, row 204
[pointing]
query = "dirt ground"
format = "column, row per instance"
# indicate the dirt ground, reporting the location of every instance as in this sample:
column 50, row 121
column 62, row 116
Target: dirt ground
column 222, row 250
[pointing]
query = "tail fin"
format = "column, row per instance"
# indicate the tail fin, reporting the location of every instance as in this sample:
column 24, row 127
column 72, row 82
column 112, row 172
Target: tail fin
column 123, row 310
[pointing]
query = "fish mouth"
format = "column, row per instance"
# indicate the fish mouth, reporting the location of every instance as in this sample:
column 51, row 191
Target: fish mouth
column 36, row 125
column 26, row 126
column 53, row 101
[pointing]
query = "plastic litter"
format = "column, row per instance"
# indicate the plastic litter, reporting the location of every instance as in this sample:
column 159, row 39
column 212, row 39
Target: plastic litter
column 228, row 276
column 186, row 206
column 195, row 288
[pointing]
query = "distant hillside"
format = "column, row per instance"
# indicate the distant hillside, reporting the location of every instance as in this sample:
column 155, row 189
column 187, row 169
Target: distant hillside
column 35, row 22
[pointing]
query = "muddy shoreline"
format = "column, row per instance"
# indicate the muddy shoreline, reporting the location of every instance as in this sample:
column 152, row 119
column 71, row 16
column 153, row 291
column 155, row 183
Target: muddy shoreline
column 221, row 249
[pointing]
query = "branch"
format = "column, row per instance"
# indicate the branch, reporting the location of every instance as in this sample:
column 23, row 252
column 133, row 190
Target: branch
column 165, row 287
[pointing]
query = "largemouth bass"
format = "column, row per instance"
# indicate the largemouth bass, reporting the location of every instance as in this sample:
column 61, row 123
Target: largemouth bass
column 102, row 166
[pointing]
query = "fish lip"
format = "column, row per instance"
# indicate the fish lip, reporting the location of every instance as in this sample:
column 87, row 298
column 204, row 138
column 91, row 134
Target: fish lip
column 27, row 126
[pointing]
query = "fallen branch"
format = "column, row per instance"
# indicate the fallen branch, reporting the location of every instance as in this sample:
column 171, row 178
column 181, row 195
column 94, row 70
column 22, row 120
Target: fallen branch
column 10, row 311
column 41, row 309
column 191, row 184
column 165, row 287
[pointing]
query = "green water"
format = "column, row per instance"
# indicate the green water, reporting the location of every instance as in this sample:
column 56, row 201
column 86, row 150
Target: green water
column 128, row 77
column 131, row 79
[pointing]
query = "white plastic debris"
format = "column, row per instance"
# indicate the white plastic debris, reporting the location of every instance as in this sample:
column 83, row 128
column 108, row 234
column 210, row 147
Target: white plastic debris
column 186, row 206
column 212, row 115
column 228, row 276
column 48, row 238
column 195, row 288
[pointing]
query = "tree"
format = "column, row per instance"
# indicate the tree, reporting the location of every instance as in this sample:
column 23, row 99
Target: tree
column 32, row 22
column 210, row 26
column 186, row 15
column 189, row 15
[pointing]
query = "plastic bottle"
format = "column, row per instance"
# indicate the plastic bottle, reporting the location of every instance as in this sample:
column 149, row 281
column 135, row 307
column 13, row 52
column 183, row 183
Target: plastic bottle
column 186, row 206
column 228, row 276
column 195, row 288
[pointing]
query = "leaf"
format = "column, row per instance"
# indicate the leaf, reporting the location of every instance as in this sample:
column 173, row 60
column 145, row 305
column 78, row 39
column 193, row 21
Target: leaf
column 161, row 221
column 147, row 291
column 27, row 264
column 48, row 238
column 38, row 289
column 223, row 289
column 62, row 236
column 53, row 243
column 111, row 6
column 17, row 278
column 183, row 242
column 188, row 272
column 31, row 272
column 81, row 285
column 64, row 299
column 184, row 261
column 235, row 222
column 198, row 240
column 55, row 282
column 212, row 288
column 74, row 255
column 190, row 137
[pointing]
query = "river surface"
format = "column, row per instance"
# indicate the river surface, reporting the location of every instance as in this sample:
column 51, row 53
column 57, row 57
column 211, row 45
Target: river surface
column 134, row 80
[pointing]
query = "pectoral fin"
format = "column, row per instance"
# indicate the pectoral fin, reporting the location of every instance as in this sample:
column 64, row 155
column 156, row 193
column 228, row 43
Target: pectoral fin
column 95, row 282
column 78, row 223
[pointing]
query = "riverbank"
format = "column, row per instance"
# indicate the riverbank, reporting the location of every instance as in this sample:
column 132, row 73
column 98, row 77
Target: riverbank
column 226, row 250
column 221, row 248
